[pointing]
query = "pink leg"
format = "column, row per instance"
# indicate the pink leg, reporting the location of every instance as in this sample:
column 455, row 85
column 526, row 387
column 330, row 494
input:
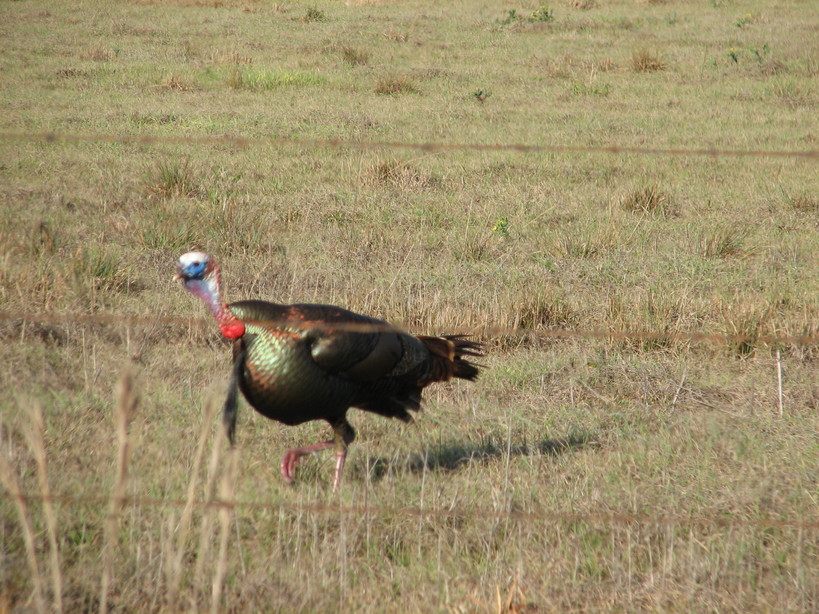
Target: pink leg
column 291, row 458
column 340, row 458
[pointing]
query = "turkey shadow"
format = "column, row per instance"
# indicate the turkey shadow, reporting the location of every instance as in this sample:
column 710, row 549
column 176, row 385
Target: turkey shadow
column 452, row 456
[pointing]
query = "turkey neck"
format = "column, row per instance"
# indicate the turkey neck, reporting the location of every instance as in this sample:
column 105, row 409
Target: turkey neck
column 209, row 289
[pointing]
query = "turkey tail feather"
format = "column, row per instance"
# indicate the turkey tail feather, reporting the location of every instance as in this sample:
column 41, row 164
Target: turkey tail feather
column 450, row 357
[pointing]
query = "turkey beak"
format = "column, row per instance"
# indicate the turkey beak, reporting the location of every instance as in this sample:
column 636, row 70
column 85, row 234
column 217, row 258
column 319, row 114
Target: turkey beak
column 178, row 273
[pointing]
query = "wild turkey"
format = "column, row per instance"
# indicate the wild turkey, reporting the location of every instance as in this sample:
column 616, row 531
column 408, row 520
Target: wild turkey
column 296, row 363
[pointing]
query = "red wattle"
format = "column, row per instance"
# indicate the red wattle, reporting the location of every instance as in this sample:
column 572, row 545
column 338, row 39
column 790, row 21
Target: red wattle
column 234, row 330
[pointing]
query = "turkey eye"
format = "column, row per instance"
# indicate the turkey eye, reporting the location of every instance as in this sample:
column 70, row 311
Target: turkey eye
column 196, row 264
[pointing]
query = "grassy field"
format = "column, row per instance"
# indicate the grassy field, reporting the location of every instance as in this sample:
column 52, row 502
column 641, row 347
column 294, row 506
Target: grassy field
column 578, row 474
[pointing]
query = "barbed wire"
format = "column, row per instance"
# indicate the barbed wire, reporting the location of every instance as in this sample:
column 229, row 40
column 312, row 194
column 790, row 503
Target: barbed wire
column 244, row 142
column 483, row 331
column 437, row 512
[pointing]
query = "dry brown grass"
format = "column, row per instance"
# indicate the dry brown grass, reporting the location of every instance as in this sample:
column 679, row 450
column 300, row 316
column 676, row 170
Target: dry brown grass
column 805, row 203
column 10, row 482
column 650, row 199
column 175, row 553
column 724, row 241
column 178, row 82
column 603, row 470
column 98, row 53
column 583, row 5
column 399, row 175
column 230, row 57
column 354, row 56
column 127, row 399
column 394, row 84
column 35, row 439
column 644, row 60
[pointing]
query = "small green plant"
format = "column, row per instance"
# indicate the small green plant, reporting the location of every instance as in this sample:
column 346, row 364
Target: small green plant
column 542, row 14
column 733, row 55
column 590, row 89
column 481, row 95
column 761, row 53
column 511, row 17
column 501, row 227
column 744, row 21
column 314, row 15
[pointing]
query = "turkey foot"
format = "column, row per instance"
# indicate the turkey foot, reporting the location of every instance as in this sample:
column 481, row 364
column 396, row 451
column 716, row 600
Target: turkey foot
column 291, row 459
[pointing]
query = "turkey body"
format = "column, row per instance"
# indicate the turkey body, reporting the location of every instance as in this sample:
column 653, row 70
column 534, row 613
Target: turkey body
column 295, row 373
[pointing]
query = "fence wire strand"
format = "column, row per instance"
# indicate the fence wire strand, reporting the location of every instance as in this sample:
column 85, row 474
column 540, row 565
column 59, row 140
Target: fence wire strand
column 609, row 518
column 481, row 331
column 244, row 142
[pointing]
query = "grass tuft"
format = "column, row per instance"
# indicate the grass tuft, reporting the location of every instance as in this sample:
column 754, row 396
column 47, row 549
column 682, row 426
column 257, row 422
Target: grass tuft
column 98, row 53
column 229, row 56
column 354, row 56
column 178, row 82
column 749, row 321
column 805, row 202
column 101, row 267
column 314, row 15
column 399, row 175
column 392, row 84
column 589, row 240
column 172, row 178
column 790, row 93
column 542, row 310
column 650, row 199
column 591, row 89
column 542, row 14
column 724, row 241
column 481, row 95
column 644, row 60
